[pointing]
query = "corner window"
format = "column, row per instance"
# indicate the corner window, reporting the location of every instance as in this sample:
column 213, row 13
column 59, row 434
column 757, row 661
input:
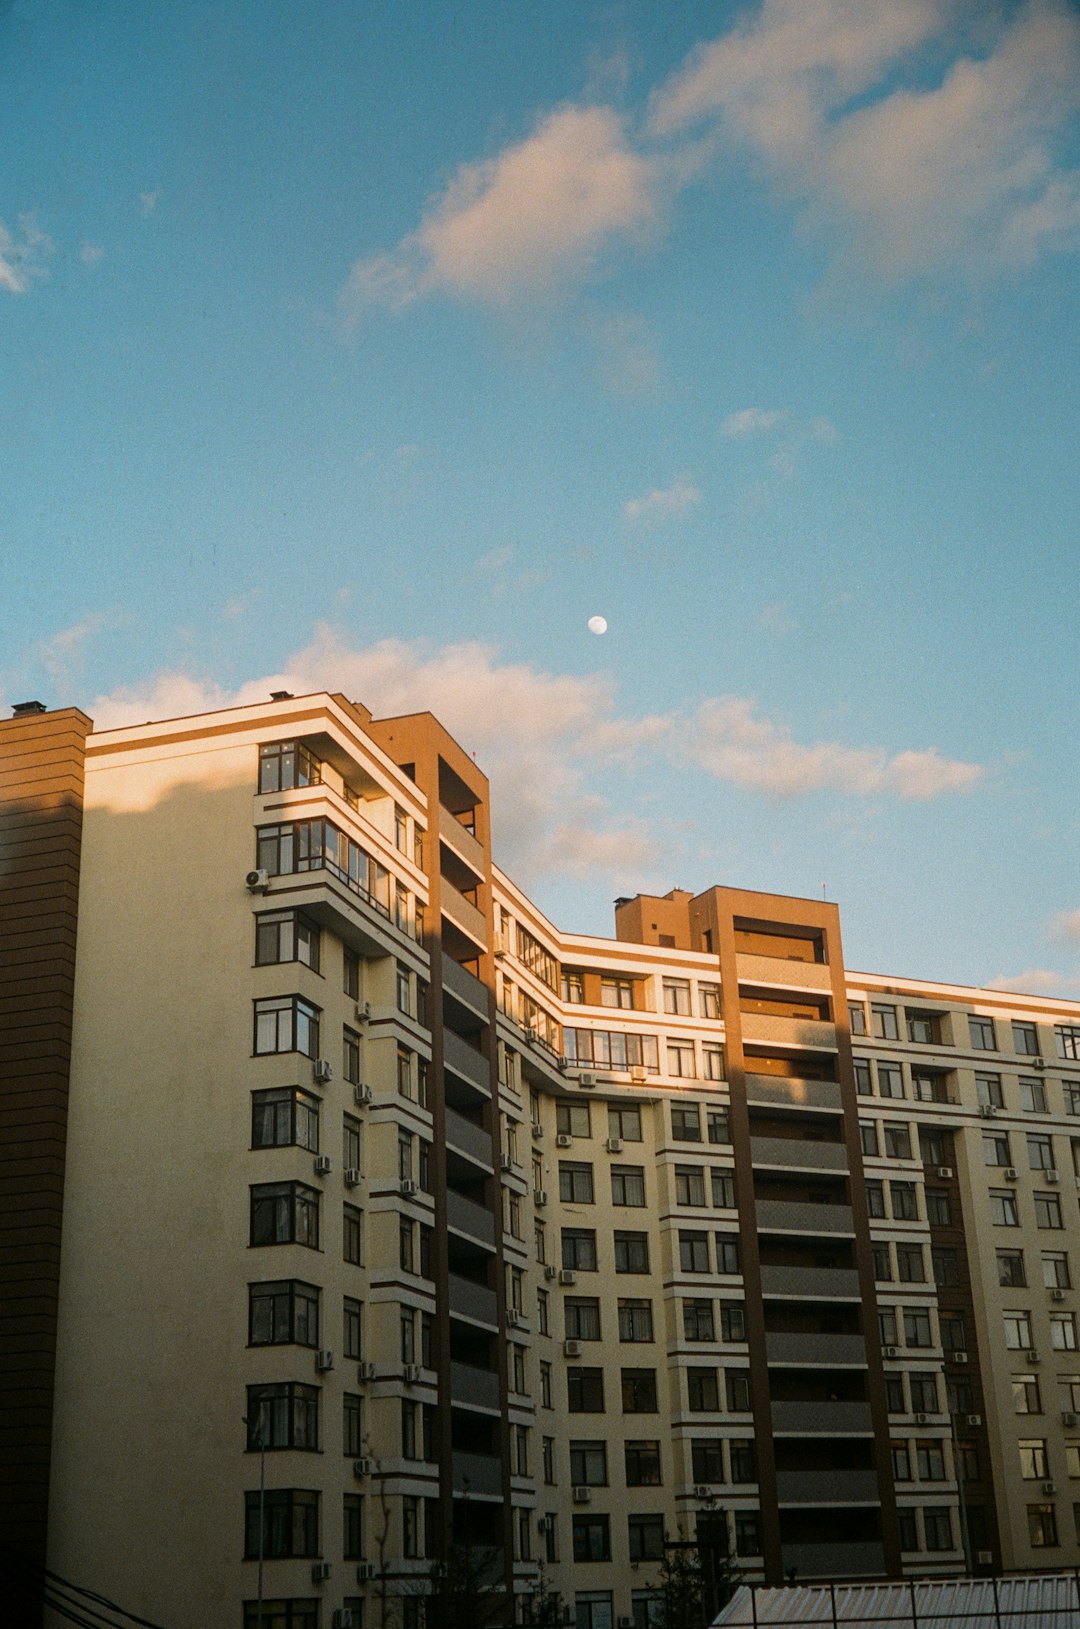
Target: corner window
column 290, row 1523
column 283, row 1415
column 286, row 936
column 286, row 1024
column 286, row 764
column 284, row 1213
column 283, row 1312
column 286, row 1117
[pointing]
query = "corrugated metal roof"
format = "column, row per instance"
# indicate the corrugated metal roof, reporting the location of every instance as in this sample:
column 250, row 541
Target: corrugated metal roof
column 1028, row 1602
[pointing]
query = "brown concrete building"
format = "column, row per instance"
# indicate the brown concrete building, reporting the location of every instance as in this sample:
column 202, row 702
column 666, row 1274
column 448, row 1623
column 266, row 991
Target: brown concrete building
column 356, row 1216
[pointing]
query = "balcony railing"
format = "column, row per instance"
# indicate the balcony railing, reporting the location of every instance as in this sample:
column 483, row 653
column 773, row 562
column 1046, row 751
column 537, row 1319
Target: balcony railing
column 465, row 987
column 865, row 1560
column 480, row 1387
column 477, row 1474
column 468, row 1139
column 811, row 1283
column 827, row 1417
column 797, row 1153
column 792, row 1092
column 461, row 842
column 774, row 1027
column 827, row 1487
column 795, row 1216
column 814, row 1349
column 466, row 1217
column 466, row 1061
column 469, row 1300
column 781, row 974
column 464, row 914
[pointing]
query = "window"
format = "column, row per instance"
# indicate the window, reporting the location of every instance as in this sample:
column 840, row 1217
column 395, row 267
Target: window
column 1063, row 1331
column 924, row 1392
column 702, row 1391
column 909, row 1533
column 582, row 1317
column 542, row 1323
column 281, row 1614
column 404, row 1071
column 573, row 988
column 285, row 1118
column 352, row 1235
column 1025, row 1039
column 517, row 1369
column 575, row 1182
column 350, row 1048
column 917, row 1329
column 686, row 1122
column 1071, row 1090
column 286, row 1024
column 624, row 1122
column 283, row 1313
column 910, row 1267
column 1010, row 1266
column 709, row 998
column 615, row 992
column 868, row 1137
column 922, row 1027
column 737, row 1390
column 635, row 1320
column 1040, row 1151
column 937, row 1527
column 875, row 1199
column 592, row 1540
column 284, row 1213
column 579, row 1249
column 1032, row 1459
column 698, row 1321
column 857, row 1017
column 722, row 1186
column 628, row 1185
column 982, row 1033
column 951, row 1325
column 743, row 1463
column 676, row 994
column 547, row 1459
column 403, row 986
column 290, row 1524
column 284, row 1415
column 707, row 1459
column 631, row 1252
column 1047, row 1210
column 890, row 1080
column 882, row 1264
column 901, row 1460
column 642, row 1464
column 1067, row 1040
column 938, row 1209
column 862, row 1077
column 1032, row 1095
column 639, row 1391
column 286, row 936
column 1055, row 1267
column 689, row 1185
column 646, row 1538
column 1025, row 1390
column 1042, row 1526
column 1003, row 1211
column 996, row 1148
column 351, row 973
column 573, row 1119
column 883, row 1022
column 727, row 1253
column 946, row 1266
column 903, row 1200
column 887, row 1326
column 585, row 1391
column 680, row 1060
column 717, row 1125
column 929, row 1086
column 588, row 1464
column 929, row 1461
column 897, row 1140
column 747, row 1532
column 285, row 764
column 1017, row 1331
column 693, row 1251
column 988, row 1091
column 353, row 1421
column 592, row 1610
column 352, row 1337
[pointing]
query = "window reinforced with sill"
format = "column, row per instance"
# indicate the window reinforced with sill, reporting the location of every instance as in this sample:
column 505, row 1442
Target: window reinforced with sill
column 698, row 1322
column 579, row 1249
column 286, row 936
column 286, row 1024
column 981, row 1031
column 284, row 765
column 1025, row 1039
column 702, row 1391
column 883, row 1021
column 284, row 1414
column 581, row 1317
column 890, row 1080
column 686, row 1122
column 616, row 992
column 635, row 1320
column 639, row 1391
column 624, row 1121
column 588, row 1464
column 1040, row 1149
column 1067, row 1041
column 988, row 1091
column 1048, row 1211
column 285, row 1117
column 1010, row 1268
column 631, row 1252
column 290, row 1525
column 575, row 1182
column 284, row 1213
column 676, row 997
column 1025, row 1392
column 592, row 1538
column 573, row 1119
column 1003, row 1211
column 628, row 1186
column 283, row 1312
column 1032, row 1095
column 584, row 1391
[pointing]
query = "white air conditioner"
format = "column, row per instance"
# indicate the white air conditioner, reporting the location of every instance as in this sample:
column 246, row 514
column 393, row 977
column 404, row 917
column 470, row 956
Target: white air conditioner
column 507, row 1163
column 973, row 1419
column 945, row 1172
column 365, row 1571
column 571, row 1348
column 410, row 1373
column 987, row 1110
column 1034, row 1356
column 257, row 881
column 984, row 1558
column 888, row 1351
column 365, row 1370
column 537, row 1131
column 1010, row 1173
column 614, row 1145
column 1069, row 1418
column 532, row 1034
column 702, row 1491
column 958, row 1356
column 582, row 1496
column 320, row 1572
column 1049, row 1487
column 564, row 1140
column 567, row 1276
column 1057, row 1295
column 351, row 1176
column 323, row 1165
column 322, row 1069
column 1036, row 1063
column 362, row 1095
column 1051, row 1176
column 550, row 1271
column 921, row 1419
column 361, row 1467
column 639, row 1075
column 324, row 1360
column 540, row 1197
column 586, row 1080
column 363, row 1010
column 342, row 1618
column 409, row 1189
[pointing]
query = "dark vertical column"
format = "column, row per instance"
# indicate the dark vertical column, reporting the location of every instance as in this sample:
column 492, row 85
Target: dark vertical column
column 41, row 801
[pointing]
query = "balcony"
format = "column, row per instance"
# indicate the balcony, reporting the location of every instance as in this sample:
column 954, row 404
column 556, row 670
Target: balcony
column 798, row 1154
column 468, row 1139
column 827, row 1487
column 465, row 987
column 464, row 916
column 540, row 1065
column 834, row 1560
column 789, row 1092
column 795, row 1216
column 476, row 1388
column 466, row 1061
column 469, row 1300
column 823, row 1418
column 782, row 974
column 461, row 843
column 806, row 1349
column 810, row 1283
column 472, row 1220
column 478, row 1475
column 778, row 1031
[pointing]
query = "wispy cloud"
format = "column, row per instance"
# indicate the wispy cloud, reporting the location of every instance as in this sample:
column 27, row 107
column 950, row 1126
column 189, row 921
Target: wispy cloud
column 663, row 503
column 752, row 421
column 1066, row 925
column 148, row 202
column 777, row 619
column 1037, row 981
column 62, row 652
column 23, row 255
column 91, row 253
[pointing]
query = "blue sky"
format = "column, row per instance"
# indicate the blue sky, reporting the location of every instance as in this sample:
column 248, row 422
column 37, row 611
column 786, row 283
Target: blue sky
column 373, row 346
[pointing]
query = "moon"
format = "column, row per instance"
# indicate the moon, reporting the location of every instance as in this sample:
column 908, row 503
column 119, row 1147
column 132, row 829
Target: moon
column 598, row 625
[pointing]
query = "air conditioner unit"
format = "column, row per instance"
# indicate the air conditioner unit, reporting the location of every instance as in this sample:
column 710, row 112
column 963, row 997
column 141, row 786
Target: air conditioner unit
column 410, row 1373
column 363, row 1010
column 563, row 1063
column 1049, row 1487
column 537, row 1131
column 324, row 1360
column 639, row 1075
column 351, row 1176
column 550, row 1271
column 984, row 1558
column 568, row 1276
column 1010, row 1173
column 323, row 1165
column 257, row 881
column 571, row 1348
column 362, row 1095
column 582, row 1496
column 703, row 1491
column 1037, row 1063
column 973, row 1419
column 365, row 1571
column 500, row 955
column 515, row 1318
column 365, row 1370
column 945, row 1172
column 532, row 1034
column 564, row 1140
column 921, row 1419
column 342, row 1618
column 322, row 1069
column 361, row 1467
column 958, row 1357
column 987, row 1110
column 586, row 1080
column 626, row 1623
column 409, row 1189
column 320, row 1572
column 1069, row 1418
column 614, row 1145
column 888, row 1351
column 1034, row 1356
column 1051, row 1176
column 507, row 1163
column 540, row 1197
column 1057, row 1295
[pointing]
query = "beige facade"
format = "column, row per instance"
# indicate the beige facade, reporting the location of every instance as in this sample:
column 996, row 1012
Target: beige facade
column 465, row 1234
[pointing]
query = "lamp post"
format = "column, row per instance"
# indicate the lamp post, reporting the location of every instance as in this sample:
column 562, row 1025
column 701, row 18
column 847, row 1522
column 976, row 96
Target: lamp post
column 257, row 1435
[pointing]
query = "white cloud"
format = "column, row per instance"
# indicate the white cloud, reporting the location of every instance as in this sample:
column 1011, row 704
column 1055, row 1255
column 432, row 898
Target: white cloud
column 663, row 503
column 21, row 256
column 1066, row 925
column 60, row 653
column 1037, row 981
column 733, row 742
column 521, row 224
column 751, row 421
column 148, row 202
column 778, row 619
column 91, row 253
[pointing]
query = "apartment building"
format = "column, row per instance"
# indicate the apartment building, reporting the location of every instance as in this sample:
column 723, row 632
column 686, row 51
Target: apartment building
column 358, row 1216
